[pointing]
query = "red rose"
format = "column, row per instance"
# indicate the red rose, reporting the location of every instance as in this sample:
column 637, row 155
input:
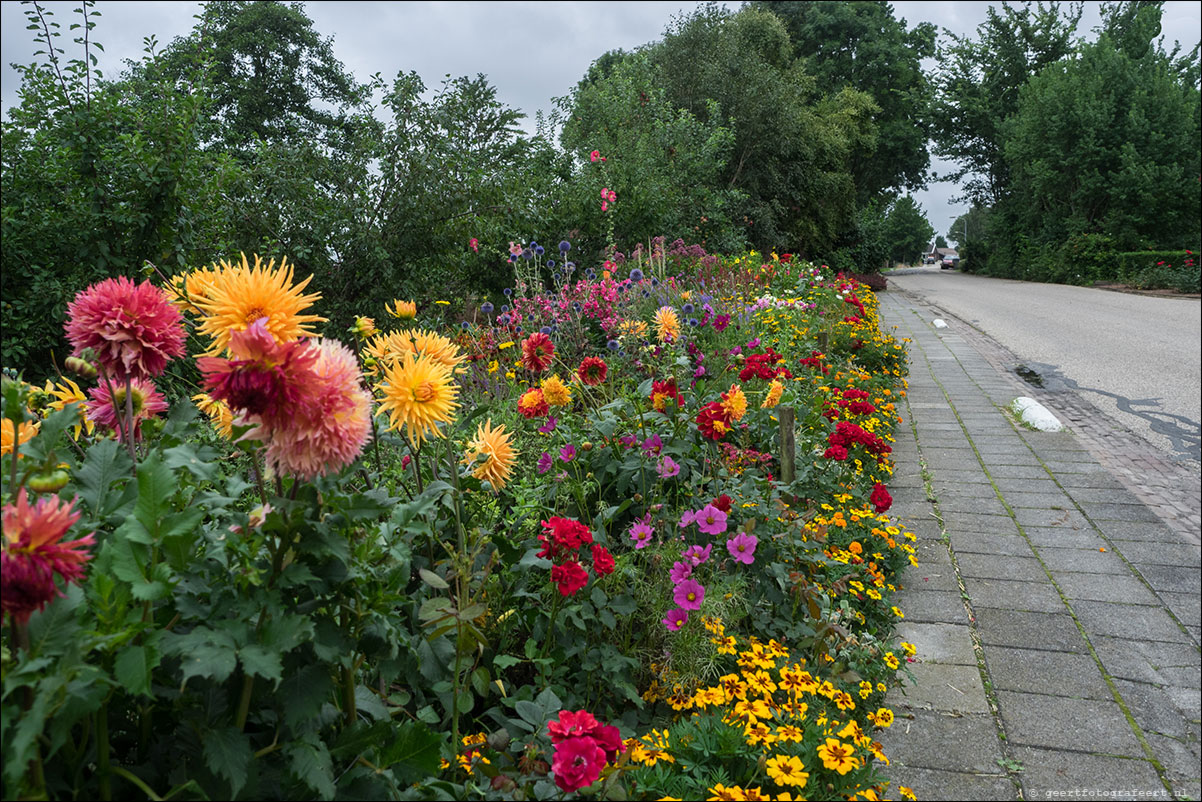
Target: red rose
column 880, row 497
column 603, row 561
column 570, row 577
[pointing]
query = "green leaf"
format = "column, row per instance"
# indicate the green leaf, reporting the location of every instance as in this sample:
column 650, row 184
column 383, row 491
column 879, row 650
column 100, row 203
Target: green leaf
column 228, row 754
column 204, row 652
column 432, row 579
column 286, row 632
column 504, row 661
column 156, row 487
column 261, row 661
column 413, row 752
column 310, row 763
column 360, row 738
column 369, row 703
column 54, row 628
column 200, row 463
column 530, row 712
column 102, row 477
column 305, row 690
column 133, row 667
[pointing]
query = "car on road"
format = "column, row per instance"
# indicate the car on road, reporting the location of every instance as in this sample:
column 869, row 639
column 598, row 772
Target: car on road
column 930, row 260
column 949, row 261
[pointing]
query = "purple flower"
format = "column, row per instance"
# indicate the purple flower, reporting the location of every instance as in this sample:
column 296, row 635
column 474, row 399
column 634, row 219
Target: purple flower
column 689, row 594
column 687, row 517
column 568, row 453
column 641, row 534
column 742, row 547
column 545, row 462
column 754, row 343
column 680, row 572
column 653, row 444
column 676, row 619
column 697, row 555
column 549, row 426
column 711, row 520
column 697, row 374
column 668, row 468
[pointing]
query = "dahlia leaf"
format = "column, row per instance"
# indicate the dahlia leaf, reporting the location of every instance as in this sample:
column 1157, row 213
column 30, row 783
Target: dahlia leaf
column 228, row 754
column 306, row 690
column 205, row 653
column 261, row 662
column 200, row 463
column 134, row 666
column 311, row 764
column 55, row 628
column 102, row 478
column 156, row 486
column 413, row 752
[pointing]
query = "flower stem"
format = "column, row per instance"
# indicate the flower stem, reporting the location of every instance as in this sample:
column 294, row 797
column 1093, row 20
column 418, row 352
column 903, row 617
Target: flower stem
column 102, row 752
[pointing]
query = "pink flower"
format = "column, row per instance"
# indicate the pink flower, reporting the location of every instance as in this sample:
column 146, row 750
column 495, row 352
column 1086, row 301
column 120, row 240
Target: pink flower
column 567, row 453
column 676, row 619
column 545, row 462
column 572, row 725
column 689, row 594
column 577, row 763
column 641, row 534
column 711, row 520
column 107, row 409
column 133, row 329
column 653, row 444
column 596, row 154
column 687, row 517
column 34, row 552
column 474, row 244
column 742, row 547
column 668, row 468
column 697, row 555
column 550, row 425
column 680, row 572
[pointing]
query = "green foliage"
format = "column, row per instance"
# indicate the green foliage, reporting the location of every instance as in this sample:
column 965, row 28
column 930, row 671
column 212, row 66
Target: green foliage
column 862, row 46
column 907, row 230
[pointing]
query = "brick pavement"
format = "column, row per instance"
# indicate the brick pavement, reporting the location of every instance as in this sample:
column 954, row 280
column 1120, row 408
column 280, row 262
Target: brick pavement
column 1056, row 603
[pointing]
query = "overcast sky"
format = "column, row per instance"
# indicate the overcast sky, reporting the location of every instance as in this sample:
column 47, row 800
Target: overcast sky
column 531, row 51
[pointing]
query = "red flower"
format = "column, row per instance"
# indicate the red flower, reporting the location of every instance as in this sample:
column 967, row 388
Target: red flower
column 107, row 409
column 592, row 371
column 712, row 421
column 609, row 739
column 537, row 352
column 133, row 328
column 572, row 725
column 722, row 502
column 603, row 561
column 662, row 392
column 570, row 577
column 836, row 453
column 33, row 553
column 577, row 763
column 532, row 404
column 880, row 497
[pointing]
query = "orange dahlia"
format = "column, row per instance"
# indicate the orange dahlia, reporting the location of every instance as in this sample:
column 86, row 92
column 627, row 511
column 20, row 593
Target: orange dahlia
column 493, row 454
column 532, row 404
column 556, row 392
column 419, row 393
column 667, row 325
column 23, row 434
column 734, row 402
column 240, row 294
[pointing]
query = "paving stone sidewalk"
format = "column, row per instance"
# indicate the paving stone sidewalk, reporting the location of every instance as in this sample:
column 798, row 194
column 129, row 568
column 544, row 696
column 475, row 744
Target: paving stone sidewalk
column 1056, row 615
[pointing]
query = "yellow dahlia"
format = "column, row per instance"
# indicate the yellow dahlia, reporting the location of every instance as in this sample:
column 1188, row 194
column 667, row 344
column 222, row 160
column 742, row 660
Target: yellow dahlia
column 493, row 454
column 774, row 393
column 667, row 325
column 419, row 393
column 633, row 328
column 388, row 348
column 7, row 441
column 218, row 411
column 191, row 287
column 68, row 392
column 734, row 403
column 556, row 392
column 239, row 295
column 405, row 310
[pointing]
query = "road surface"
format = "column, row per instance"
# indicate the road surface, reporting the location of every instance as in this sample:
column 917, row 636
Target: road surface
column 1137, row 358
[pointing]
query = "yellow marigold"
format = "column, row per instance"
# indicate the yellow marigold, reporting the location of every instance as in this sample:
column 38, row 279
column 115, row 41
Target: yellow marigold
column 390, row 347
column 734, row 402
column 787, row 770
column 667, row 325
column 403, row 310
column 68, row 392
column 556, row 392
column 419, row 393
column 240, row 294
column 722, row 793
column 25, row 433
column 492, row 452
column 838, row 756
column 219, row 413
column 775, row 390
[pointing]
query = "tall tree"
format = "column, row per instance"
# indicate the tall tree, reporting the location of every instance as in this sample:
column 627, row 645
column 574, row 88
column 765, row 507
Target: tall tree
column 907, row 230
column 978, row 83
column 863, row 46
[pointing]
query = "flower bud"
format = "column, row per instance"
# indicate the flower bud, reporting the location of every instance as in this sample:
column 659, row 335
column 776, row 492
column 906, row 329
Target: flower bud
column 80, row 367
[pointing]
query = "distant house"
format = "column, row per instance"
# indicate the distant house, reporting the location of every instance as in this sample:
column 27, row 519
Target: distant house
column 939, row 253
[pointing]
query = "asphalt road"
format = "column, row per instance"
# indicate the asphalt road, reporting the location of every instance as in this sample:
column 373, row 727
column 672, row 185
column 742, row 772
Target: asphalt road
column 1136, row 358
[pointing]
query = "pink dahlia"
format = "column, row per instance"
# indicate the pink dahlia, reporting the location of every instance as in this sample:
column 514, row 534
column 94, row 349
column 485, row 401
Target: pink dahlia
column 34, row 552
column 107, row 408
column 133, row 328
column 331, row 430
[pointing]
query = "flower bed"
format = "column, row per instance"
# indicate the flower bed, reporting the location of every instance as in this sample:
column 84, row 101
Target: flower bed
column 622, row 532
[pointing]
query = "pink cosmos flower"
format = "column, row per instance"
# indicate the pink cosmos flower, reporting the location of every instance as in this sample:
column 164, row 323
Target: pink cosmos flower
column 742, row 547
column 711, row 520
column 680, row 572
column 668, row 468
column 689, row 594
column 641, row 534
column 550, row 425
column 567, row 453
column 697, row 555
column 676, row 619
column 106, row 409
column 545, row 462
column 34, row 552
column 687, row 517
column 133, row 328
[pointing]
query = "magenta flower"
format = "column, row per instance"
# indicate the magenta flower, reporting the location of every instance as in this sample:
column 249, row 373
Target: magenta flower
column 641, row 534
column 742, row 547
column 689, row 594
column 676, row 619
column 549, row 426
column 567, row 453
column 687, row 517
column 697, row 555
column 668, row 468
column 653, row 444
column 711, row 520
column 545, row 462
column 680, row 572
